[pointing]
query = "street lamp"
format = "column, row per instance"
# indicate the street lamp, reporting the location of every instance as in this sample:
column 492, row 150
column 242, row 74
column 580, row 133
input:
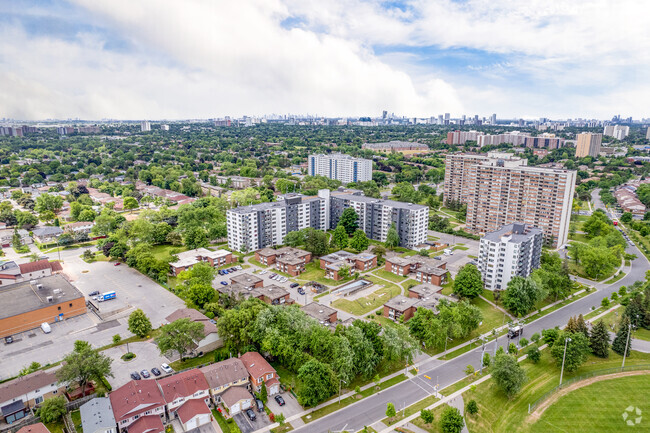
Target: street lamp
column 341, row 381
column 563, row 358
column 627, row 343
column 446, row 340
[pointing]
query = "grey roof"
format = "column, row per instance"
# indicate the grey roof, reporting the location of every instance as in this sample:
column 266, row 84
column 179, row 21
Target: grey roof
column 225, row 372
column 339, row 255
column 45, row 231
column 23, row 297
column 97, row 414
column 423, row 290
column 272, row 205
column 272, row 291
column 395, row 143
column 391, row 203
column 246, row 279
column 518, row 233
column 318, row 311
column 401, row 303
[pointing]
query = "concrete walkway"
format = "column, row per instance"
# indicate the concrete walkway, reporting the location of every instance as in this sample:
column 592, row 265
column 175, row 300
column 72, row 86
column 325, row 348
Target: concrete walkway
column 459, row 403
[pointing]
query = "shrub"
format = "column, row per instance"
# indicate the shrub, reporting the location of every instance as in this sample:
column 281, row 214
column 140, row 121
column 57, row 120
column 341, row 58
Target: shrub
column 550, row 335
column 535, row 337
column 472, row 407
column 523, row 342
column 512, row 349
column 116, row 338
column 378, row 312
column 605, row 302
column 534, row 354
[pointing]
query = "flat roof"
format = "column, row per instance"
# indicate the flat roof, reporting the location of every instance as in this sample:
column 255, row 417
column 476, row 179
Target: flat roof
column 425, row 289
column 518, row 233
column 245, row 279
column 391, row 203
column 318, row 311
column 33, row 295
column 272, row 291
column 401, row 303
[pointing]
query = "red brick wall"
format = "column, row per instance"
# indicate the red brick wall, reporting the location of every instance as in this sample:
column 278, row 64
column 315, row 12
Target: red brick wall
column 33, row 319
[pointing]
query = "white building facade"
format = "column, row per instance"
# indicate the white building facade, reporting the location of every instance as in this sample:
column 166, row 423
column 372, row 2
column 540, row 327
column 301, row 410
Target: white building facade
column 340, row 167
column 513, row 250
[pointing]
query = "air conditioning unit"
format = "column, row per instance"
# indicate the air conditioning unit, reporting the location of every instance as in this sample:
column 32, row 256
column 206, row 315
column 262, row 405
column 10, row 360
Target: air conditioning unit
column 50, row 299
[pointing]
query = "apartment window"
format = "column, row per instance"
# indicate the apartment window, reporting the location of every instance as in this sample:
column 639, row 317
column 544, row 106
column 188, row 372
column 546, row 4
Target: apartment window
column 39, row 399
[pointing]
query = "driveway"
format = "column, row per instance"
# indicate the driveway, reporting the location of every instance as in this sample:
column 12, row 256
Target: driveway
column 291, row 406
column 147, row 356
column 248, row 426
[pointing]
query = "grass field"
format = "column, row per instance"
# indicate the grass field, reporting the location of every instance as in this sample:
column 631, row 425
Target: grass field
column 498, row 414
column 614, row 317
column 162, row 252
column 581, row 410
column 364, row 305
column 389, row 276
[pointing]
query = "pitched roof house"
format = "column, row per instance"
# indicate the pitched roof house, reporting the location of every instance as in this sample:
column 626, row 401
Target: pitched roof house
column 260, row 371
column 181, row 387
column 135, row 400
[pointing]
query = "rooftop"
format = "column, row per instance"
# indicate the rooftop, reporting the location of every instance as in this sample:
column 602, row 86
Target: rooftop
column 256, row 365
column 47, row 231
column 147, row 424
column 318, row 311
column 234, row 394
column 401, row 303
column 272, row 291
column 517, row 233
column 225, row 372
column 194, row 316
column 34, row 428
column 191, row 257
column 246, row 279
column 18, row 387
column 272, row 205
column 97, row 414
column 135, row 397
column 424, row 290
column 33, row 295
column 182, row 384
column 192, row 408
column 390, row 203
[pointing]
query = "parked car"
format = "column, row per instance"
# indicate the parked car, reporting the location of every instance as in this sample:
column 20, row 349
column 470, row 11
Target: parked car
column 224, row 283
column 438, row 258
column 232, row 269
column 273, row 275
column 155, row 371
column 250, row 414
column 117, row 264
column 260, row 405
column 95, row 293
column 166, row 368
column 135, row 376
column 301, row 290
column 279, row 400
column 263, row 272
column 145, row 374
column 294, row 285
column 9, row 339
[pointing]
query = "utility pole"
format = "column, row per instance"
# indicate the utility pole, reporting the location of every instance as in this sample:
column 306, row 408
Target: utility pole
column 564, row 357
column 627, row 344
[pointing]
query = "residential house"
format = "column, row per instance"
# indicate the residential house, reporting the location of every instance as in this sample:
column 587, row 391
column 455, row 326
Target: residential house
column 179, row 389
column 247, row 280
column 287, row 259
column 274, row 295
column 211, row 339
column 34, row 428
column 97, row 416
column 9, row 273
column 39, row 269
column 229, row 378
column 187, row 259
column 193, row 414
column 400, row 306
column 260, row 371
column 324, row 314
column 426, row 270
column 46, row 235
column 7, row 236
column 136, row 405
column 333, row 263
column 79, row 227
column 18, row 395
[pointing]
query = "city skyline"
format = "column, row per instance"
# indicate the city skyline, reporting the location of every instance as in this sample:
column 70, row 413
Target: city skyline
column 169, row 60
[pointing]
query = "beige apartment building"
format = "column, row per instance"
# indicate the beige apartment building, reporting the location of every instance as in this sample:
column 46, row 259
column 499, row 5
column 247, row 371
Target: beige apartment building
column 588, row 144
column 498, row 193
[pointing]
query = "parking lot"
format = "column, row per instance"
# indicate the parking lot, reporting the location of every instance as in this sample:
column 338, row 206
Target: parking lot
column 147, row 357
column 290, row 408
column 248, row 426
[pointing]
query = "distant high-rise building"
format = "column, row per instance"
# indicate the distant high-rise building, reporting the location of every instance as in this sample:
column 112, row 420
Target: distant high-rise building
column 588, row 144
column 164, row 127
column 384, row 114
column 460, row 137
column 617, row 131
column 440, row 121
column 446, row 118
column 493, row 119
column 145, row 126
column 514, row 250
column 340, row 167
column 647, row 134
column 501, row 189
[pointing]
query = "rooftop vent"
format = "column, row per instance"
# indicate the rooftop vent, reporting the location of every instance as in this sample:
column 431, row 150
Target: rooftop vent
column 39, row 286
column 50, row 299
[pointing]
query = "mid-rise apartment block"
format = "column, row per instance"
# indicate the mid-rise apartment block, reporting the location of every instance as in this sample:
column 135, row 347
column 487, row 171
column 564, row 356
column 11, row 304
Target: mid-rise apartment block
column 501, row 191
column 517, row 139
column 145, row 126
column 513, row 250
column 253, row 227
column 460, row 137
column 263, row 225
column 341, row 167
column 617, row 131
column 588, row 144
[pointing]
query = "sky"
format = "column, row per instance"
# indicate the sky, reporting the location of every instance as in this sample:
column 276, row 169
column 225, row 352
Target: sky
column 162, row 59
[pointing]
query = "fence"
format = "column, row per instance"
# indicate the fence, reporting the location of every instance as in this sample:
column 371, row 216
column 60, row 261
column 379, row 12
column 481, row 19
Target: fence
column 76, row 404
column 13, row 428
column 533, row 406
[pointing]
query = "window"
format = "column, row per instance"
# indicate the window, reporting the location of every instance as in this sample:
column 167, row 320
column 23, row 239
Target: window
column 269, row 376
column 70, row 304
column 39, row 399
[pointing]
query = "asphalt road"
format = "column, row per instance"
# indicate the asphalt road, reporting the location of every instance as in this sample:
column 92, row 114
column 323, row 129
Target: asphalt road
column 372, row 409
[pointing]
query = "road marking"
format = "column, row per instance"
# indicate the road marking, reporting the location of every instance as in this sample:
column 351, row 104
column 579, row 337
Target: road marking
column 418, row 385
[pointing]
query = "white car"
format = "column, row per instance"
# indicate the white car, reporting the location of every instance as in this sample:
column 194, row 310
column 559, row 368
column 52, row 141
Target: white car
column 166, row 368
column 263, row 272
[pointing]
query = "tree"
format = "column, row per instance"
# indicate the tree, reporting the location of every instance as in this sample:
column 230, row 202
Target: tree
column 263, row 394
column 472, row 407
column 88, row 255
column 195, row 237
column 340, row 237
column 295, row 238
column 451, row 421
column 468, row 282
column 427, row 416
column 279, row 418
column 392, row 237
column 316, row 242
column 577, row 350
column 534, row 354
column 599, row 340
column 52, row 409
column 199, row 293
column 139, row 323
column 622, row 339
column 508, row 374
column 521, row 295
column 626, row 217
column 359, row 241
column 390, row 410
column 398, row 343
column 130, row 203
column 84, row 364
column 318, row 382
column 349, row 220
column 48, row 202
column 179, row 336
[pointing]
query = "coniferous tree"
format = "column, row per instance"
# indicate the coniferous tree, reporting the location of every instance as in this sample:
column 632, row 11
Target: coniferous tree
column 581, row 326
column 599, row 340
column 621, row 339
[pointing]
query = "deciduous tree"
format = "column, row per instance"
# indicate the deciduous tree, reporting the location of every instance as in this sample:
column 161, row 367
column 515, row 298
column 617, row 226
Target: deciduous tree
column 451, row 421
column 359, row 241
column 468, row 282
column 84, row 364
column 179, row 336
column 392, row 237
column 318, row 383
column 139, row 323
column 349, row 220
column 340, row 237
column 577, row 350
column 508, row 374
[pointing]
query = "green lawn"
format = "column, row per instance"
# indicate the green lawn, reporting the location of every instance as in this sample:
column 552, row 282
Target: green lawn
column 460, row 248
column 615, row 278
column 227, row 426
column 366, row 304
column 598, row 407
column 410, row 410
column 76, row 420
column 435, row 426
column 499, row 414
column 56, row 427
column 579, row 237
column 207, row 358
column 389, row 276
column 162, row 252
column 612, row 318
